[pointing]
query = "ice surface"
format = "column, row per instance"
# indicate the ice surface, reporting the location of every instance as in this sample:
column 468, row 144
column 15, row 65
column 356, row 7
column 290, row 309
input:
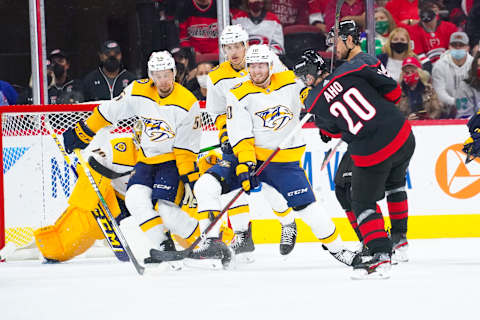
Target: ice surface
column 440, row 282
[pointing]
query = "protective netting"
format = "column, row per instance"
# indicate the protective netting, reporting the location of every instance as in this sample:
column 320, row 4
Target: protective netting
column 37, row 179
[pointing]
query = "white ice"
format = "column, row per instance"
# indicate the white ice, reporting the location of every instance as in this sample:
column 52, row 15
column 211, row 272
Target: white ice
column 441, row 281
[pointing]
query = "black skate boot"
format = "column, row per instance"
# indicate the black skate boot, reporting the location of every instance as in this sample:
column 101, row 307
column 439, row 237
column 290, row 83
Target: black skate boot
column 345, row 256
column 242, row 241
column 214, row 248
column 376, row 268
column 289, row 238
column 399, row 247
column 166, row 245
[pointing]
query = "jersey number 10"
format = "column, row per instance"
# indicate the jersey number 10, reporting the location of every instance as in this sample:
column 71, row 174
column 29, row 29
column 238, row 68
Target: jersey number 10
column 356, row 103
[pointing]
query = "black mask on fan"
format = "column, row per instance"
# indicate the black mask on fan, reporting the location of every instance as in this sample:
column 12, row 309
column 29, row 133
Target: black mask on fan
column 58, row 70
column 427, row 15
column 111, row 64
column 399, row 47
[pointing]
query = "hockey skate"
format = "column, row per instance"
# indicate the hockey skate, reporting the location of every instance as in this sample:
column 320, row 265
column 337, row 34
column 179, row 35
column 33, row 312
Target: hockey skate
column 376, row 268
column 166, row 245
column 214, row 253
column 399, row 248
column 242, row 244
column 345, row 256
column 289, row 238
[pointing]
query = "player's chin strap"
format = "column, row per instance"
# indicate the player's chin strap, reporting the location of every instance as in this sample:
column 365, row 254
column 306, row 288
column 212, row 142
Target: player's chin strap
column 179, row 255
column 104, row 171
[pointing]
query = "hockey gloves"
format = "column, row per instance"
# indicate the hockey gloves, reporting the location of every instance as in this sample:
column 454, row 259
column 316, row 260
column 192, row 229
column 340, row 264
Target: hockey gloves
column 224, row 142
column 78, row 137
column 245, row 173
column 324, row 137
column 189, row 180
column 471, row 146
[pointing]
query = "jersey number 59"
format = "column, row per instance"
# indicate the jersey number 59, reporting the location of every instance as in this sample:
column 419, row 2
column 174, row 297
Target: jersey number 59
column 356, row 103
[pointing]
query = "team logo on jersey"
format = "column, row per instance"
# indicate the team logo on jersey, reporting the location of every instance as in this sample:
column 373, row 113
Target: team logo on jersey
column 121, row 146
column 143, row 81
column 454, row 177
column 157, row 130
column 275, row 117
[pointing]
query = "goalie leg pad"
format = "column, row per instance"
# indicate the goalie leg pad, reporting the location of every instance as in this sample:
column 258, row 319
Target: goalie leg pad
column 73, row 233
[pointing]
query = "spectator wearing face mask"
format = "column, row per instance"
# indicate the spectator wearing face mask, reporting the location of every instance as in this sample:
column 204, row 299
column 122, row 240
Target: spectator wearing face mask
column 451, row 70
column 419, row 101
column 397, row 48
column 430, row 36
column 262, row 25
column 468, row 102
column 202, row 78
column 110, row 78
column 61, row 88
column 384, row 24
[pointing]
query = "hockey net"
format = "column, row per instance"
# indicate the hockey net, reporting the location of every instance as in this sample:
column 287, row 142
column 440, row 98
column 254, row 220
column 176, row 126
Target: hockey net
column 36, row 180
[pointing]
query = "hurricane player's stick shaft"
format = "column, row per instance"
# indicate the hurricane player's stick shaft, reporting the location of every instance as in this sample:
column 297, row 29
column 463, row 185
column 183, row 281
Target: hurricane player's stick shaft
column 338, row 8
column 140, row 270
column 178, row 255
column 330, row 153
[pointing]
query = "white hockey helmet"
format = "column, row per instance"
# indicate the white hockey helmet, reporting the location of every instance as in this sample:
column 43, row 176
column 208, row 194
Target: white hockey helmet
column 233, row 34
column 159, row 61
column 259, row 53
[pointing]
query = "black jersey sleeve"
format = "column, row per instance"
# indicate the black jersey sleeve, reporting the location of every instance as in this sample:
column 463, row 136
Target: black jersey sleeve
column 382, row 82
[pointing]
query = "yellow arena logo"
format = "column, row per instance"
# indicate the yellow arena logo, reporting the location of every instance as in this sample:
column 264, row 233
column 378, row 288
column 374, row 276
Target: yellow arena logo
column 275, row 117
column 454, row 177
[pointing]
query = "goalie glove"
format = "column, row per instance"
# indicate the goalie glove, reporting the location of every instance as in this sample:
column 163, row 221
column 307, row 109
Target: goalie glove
column 189, row 180
column 78, row 137
column 245, row 173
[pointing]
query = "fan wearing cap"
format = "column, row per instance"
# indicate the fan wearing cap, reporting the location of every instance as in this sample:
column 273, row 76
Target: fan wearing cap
column 419, row 100
column 110, row 78
column 169, row 140
column 450, row 70
column 431, row 35
column 64, row 90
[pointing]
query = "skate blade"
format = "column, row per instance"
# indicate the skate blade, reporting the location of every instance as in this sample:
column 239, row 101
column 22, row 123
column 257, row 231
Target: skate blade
column 204, row 264
column 399, row 257
column 361, row 274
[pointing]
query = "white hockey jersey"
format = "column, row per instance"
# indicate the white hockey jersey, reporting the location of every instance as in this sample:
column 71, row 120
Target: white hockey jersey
column 269, row 31
column 223, row 78
column 170, row 125
column 259, row 119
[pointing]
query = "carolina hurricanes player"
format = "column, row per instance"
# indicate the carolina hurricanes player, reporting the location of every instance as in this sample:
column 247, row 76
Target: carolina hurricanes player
column 261, row 112
column 165, row 170
column 221, row 178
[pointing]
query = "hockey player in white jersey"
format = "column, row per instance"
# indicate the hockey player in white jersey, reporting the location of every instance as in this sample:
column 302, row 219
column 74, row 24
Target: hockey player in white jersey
column 261, row 112
column 169, row 141
column 221, row 178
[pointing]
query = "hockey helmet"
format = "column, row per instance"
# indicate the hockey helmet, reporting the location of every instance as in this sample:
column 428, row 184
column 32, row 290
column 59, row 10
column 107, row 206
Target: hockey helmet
column 233, row 34
column 345, row 28
column 310, row 62
column 259, row 53
column 159, row 61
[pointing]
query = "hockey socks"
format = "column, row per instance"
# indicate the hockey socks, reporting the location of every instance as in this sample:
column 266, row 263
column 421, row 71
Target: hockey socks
column 398, row 209
column 372, row 229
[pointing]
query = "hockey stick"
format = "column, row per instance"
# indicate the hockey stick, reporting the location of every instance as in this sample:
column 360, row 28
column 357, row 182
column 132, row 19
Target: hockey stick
column 179, row 255
column 338, row 8
column 210, row 148
column 103, row 223
column 116, row 228
column 329, row 154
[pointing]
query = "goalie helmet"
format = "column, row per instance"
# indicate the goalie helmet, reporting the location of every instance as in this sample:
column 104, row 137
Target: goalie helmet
column 310, row 63
column 159, row 61
column 259, row 53
column 345, row 28
column 234, row 34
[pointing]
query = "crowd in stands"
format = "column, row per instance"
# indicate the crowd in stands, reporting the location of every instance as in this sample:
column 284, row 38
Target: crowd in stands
column 431, row 47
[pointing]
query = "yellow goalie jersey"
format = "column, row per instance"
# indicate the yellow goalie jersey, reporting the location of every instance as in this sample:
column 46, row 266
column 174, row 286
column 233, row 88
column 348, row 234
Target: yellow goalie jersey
column 259, row 119
column 76, row 230
column 170, row 125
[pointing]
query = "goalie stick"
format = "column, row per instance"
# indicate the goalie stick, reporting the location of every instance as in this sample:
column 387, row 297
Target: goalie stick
column 179, row 255
column 140, row 270
column 99, row 215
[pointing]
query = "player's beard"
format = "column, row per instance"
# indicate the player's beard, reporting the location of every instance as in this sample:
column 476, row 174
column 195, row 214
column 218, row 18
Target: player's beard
column 163, row 92
column 263, row 81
